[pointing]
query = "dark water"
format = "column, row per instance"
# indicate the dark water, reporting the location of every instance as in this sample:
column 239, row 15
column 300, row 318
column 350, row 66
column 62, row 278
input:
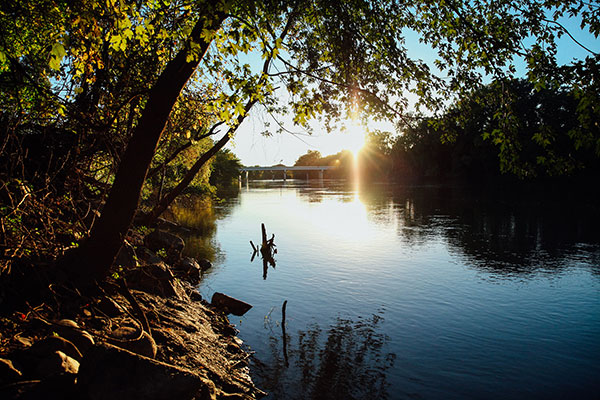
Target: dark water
column 414, row 292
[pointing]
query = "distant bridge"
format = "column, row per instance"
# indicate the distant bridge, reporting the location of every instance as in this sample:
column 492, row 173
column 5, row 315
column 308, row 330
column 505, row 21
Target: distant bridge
column 285, row 169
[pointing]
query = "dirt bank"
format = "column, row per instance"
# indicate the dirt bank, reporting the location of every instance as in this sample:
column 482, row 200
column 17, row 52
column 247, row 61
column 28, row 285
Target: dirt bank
column 144, row 332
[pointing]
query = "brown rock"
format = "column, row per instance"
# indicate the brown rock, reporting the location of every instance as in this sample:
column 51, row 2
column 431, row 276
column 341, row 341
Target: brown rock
column 229, row 304
column 134, row 340
column 153, row 278
column 109, row 307
column 204, row 264
column 57, row 363
column 51, row 344
column 147, row 256
column 189, row 269
column 110, row 373
column 162, row 240
column 71, row 331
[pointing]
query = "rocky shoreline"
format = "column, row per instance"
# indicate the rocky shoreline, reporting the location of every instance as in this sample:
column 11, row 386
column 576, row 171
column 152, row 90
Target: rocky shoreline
column 145, row 332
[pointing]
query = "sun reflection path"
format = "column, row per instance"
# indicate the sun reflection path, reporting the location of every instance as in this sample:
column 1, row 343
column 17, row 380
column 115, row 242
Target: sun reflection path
column 343, row 224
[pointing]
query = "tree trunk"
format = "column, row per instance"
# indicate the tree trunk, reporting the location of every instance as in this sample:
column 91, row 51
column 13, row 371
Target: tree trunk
column 107, row 235
column 168, row 199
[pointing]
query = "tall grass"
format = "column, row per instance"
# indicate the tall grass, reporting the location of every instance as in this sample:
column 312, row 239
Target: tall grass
column 195, row 213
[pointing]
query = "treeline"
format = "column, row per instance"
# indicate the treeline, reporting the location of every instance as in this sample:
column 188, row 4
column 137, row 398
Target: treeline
column 511, row 131
column 106, row 106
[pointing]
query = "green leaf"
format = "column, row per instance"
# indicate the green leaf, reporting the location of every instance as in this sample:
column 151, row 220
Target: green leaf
column 54, row 63
column 56, row 55
column 58, row 50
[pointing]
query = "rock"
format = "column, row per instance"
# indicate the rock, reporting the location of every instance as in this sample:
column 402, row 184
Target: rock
column 68, row 323
column 188, row 269
column 134, row 340
column 195, row 296
column 173, row 245
column 23, row 341
column 71, row 331
column 8, row 372
column 229, row 304
column 147, row 256
column 126, row 256
column 153, row 278
column 109, row 307
column 51, row 344
column 204, row 264
column 57, row 363
column 110, row 373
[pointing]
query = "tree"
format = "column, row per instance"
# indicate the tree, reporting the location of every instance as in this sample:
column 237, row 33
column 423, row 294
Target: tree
column 312, row 157
column 123, row 67
column 373, row 159
column 225, row 168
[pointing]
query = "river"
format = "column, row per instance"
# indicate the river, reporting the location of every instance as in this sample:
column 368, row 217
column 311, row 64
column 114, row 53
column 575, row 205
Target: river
column 422, row 292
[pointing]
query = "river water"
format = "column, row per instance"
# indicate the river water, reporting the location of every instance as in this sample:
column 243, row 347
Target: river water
column 424, row 292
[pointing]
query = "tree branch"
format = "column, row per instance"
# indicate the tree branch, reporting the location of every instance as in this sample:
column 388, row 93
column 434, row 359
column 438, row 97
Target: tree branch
column 181, row 148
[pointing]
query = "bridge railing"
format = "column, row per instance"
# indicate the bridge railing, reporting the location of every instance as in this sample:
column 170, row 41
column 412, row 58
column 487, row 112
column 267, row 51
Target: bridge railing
column 285, row 169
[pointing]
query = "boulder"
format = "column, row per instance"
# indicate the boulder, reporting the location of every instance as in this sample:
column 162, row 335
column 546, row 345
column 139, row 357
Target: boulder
column 195, row 296
column 172, row 244
column 51, row 344
column 188, row 269
column 204, row 264
column 229, row 304
column 57, row 363
column 134, row 340
column 71, row 331
column 153, row 278
column 147, row 256
column 110, row 373
column 109, row 307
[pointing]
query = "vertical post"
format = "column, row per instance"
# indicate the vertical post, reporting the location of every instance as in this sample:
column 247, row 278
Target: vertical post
column 246, row 175
column 307, row 175
column 283, row 334
column 320, row 174
column 284, row 175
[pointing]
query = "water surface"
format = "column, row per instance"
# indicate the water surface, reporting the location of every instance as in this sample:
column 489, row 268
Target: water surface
column 426, row 292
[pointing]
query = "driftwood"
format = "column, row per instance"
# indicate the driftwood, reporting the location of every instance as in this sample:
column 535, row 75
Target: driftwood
column 267, row 250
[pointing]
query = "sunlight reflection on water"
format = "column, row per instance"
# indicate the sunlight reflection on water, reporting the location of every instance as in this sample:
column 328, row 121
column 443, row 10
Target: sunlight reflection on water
column 422, row 291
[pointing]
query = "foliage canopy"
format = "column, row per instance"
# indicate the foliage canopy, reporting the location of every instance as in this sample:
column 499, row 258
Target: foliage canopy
column 96, row 97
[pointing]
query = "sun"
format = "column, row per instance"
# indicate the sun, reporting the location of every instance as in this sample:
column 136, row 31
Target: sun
column 354, row 137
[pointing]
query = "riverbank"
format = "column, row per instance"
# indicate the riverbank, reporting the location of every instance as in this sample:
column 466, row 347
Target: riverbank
column 144, row 332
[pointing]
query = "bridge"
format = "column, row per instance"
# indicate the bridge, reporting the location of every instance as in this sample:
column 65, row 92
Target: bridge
column 285, row 169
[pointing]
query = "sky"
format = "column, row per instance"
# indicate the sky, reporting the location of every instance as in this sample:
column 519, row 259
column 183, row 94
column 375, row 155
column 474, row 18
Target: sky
column 252, row 148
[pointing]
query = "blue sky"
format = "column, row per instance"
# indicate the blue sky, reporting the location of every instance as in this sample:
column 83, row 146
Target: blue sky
column 254, row 149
